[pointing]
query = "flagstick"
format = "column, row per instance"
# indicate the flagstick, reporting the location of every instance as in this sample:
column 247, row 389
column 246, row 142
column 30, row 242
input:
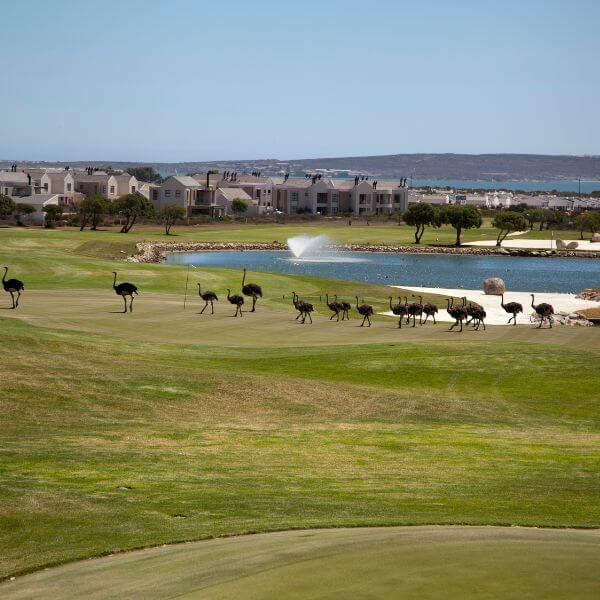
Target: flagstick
column 187, row 278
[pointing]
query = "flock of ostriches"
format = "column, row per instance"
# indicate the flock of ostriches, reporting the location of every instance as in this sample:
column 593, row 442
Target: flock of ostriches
column 465, row 313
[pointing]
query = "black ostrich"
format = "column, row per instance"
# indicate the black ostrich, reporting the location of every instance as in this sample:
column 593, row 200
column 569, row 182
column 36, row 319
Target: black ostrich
column 366, row 310
column 430, row 310
column 298, row 305
column 476, row 314
column 544, row 311
column 125, row 289
column 334, row 307
column 207, row 296
column 512, row 308
column 12, row 286
column 458, row 313
column 414, row 309
column 251, row 289
column 304, row 308
column 345, row 308
column 237, row 301
column 400, row 310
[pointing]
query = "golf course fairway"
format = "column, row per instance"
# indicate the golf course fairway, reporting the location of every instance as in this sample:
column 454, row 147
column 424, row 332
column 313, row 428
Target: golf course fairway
column 371, row 562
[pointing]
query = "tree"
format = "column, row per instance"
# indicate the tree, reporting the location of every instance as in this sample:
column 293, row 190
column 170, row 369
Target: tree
column 145, row 174
column 132, row 206
column 239, row 206
column 532, row 216
column 419, row 215
column 22, row 209
column 587, row 220
column 169, row 214
column 91, row 210
column 7, row 206
column 459, row 217
column 545, row 216
column 53, row 212
column 507, row 221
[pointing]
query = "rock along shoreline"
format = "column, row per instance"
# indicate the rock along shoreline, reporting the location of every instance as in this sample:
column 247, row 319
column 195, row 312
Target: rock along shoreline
column 155, row 252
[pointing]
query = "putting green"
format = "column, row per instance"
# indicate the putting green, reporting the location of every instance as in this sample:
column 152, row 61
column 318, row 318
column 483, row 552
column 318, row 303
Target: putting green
column 424, row 562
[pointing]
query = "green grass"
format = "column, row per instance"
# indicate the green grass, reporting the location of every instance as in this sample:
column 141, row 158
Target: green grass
column 123, row 431
column 417, row 562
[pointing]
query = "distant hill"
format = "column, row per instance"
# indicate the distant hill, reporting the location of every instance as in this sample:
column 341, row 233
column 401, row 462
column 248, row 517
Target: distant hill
column 499, row 167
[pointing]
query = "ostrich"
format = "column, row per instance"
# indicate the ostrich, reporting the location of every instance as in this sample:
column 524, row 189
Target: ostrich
column 237, row 301
column 512, row 308
column 544, row 311
column 298, row 305
column 334, row 307
column 430, row 310
column 472, row 311
column 305, row 308
column 414, row 309
column 345, row 307
column 477, row 315
column 458, row 313
column 11, row 286
column 400, row 310
column 124, row 289
column 251, row 289
column 366, row 310
column 207, row 296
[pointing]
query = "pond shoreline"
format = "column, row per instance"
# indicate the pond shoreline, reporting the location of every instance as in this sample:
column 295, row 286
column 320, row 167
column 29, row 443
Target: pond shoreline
column 155, row 252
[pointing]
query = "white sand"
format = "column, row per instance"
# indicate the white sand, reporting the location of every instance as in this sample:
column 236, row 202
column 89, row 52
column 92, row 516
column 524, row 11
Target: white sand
column 496, row 315
column 584, row 245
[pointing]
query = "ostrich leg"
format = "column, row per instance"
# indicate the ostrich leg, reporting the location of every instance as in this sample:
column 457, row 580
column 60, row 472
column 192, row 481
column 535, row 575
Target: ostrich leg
column 400, row 322
column 212, row 307
column 309, row 317
column 369, row 320
column 12, row 297
column 125, row 303
column 131, row 304
column 253, row 303
column 18, row 296
column 434, row 321
column 204, row 307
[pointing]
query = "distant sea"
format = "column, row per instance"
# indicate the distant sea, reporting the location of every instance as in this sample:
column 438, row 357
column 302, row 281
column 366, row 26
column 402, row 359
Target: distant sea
column 564, row 185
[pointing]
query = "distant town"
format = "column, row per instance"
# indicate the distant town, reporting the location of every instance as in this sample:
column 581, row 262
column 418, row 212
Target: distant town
column 214, row 193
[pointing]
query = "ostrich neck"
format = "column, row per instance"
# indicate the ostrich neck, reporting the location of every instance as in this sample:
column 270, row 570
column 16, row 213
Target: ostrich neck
column 4, row 276
column 115, row 280
column 244, row 278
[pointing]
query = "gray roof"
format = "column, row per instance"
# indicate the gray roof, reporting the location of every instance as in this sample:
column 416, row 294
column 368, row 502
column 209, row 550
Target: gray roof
column 8, row 177
column 235, row 194
column 185, row 180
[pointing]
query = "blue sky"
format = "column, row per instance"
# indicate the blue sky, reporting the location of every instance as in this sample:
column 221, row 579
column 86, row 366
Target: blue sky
column 184, row 80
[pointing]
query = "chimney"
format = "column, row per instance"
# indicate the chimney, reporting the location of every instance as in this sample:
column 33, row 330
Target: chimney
column 207, row 179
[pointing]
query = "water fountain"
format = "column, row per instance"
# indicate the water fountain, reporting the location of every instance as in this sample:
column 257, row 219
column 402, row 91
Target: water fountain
column 317, row 248
column 305, row 246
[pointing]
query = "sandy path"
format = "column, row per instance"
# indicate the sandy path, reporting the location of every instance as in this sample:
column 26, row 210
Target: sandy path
column 584, row 245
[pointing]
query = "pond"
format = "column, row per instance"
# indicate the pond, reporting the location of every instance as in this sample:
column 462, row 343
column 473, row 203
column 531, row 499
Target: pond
column 567, row 275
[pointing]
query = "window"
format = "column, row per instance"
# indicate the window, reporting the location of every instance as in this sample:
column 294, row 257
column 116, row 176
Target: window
column 154, row 194
column 46, row 186
column 68, row 187
column 177, row 193
column 322, row 198
column 167, row 193
column 133, row 189
column 294, row 197
column 112, row 189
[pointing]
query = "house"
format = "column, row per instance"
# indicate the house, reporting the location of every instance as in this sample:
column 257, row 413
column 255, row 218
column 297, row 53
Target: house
column 224, row 197
column 56, row 182
column 16, row 184
column 333, row 196
column 68, row 202
column 182, row 190
column 108, row 185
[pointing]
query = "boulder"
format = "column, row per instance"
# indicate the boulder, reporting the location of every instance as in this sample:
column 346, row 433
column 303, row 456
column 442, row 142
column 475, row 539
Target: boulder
column 560, row 245
column 596, row 237
column 572, row 245
column 494, row 286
